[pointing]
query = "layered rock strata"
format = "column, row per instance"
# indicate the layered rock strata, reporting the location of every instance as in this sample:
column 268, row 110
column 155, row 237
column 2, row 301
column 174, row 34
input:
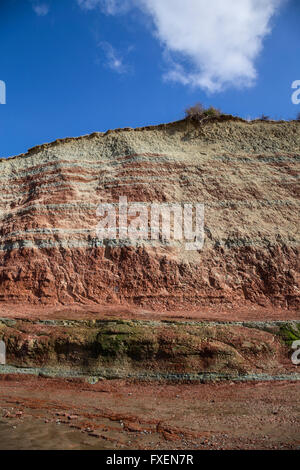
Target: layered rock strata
column 245, row 174
column 150, row 350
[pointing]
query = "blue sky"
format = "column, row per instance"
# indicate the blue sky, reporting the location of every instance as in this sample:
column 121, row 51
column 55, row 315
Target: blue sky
column 72, row 67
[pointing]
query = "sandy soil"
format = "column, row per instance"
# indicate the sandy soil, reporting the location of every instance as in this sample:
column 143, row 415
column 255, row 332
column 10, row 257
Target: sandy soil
column 93, row 312
column 39, row 413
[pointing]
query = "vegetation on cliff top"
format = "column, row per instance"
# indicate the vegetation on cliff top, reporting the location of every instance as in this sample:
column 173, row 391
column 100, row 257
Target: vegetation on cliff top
column 198, row 112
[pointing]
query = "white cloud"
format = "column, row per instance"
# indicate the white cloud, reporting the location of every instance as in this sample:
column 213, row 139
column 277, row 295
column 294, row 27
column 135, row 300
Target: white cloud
column 110, row 7
column 41, row 9
column 113, row 58
column 215, row 42
column 210, row 44
column 88, row 4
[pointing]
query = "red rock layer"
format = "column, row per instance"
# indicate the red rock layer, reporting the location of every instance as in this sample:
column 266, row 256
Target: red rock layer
column 244, row 173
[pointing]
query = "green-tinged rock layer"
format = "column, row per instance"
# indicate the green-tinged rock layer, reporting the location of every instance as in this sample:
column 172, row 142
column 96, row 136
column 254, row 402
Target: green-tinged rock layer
column 135, row 348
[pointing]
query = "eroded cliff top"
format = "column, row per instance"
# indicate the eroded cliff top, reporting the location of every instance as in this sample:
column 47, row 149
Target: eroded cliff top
column 222, row 130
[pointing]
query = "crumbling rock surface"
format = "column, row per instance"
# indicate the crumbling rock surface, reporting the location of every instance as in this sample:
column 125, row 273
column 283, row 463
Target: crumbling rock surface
column 154, row 350
column 244, row 173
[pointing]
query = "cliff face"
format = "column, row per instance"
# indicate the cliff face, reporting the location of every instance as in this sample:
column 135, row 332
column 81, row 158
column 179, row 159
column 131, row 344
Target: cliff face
column 244, row 173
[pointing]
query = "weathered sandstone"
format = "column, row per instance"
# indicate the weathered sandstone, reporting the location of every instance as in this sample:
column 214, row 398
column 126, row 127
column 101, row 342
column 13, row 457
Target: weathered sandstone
column 246, row 174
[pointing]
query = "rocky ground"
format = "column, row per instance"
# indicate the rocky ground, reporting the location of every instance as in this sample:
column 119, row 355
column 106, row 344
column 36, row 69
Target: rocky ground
column 198, row 384
column 40, row 413
column 85, row 312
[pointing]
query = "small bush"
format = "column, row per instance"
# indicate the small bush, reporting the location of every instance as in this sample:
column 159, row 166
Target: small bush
column 298, row 117
column 263, row 117
column 195, row 112
column 199, row 112
column 212, row 112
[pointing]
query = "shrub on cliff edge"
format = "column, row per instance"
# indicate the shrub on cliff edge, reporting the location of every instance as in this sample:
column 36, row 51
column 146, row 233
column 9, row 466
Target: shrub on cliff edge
column 198, row 112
